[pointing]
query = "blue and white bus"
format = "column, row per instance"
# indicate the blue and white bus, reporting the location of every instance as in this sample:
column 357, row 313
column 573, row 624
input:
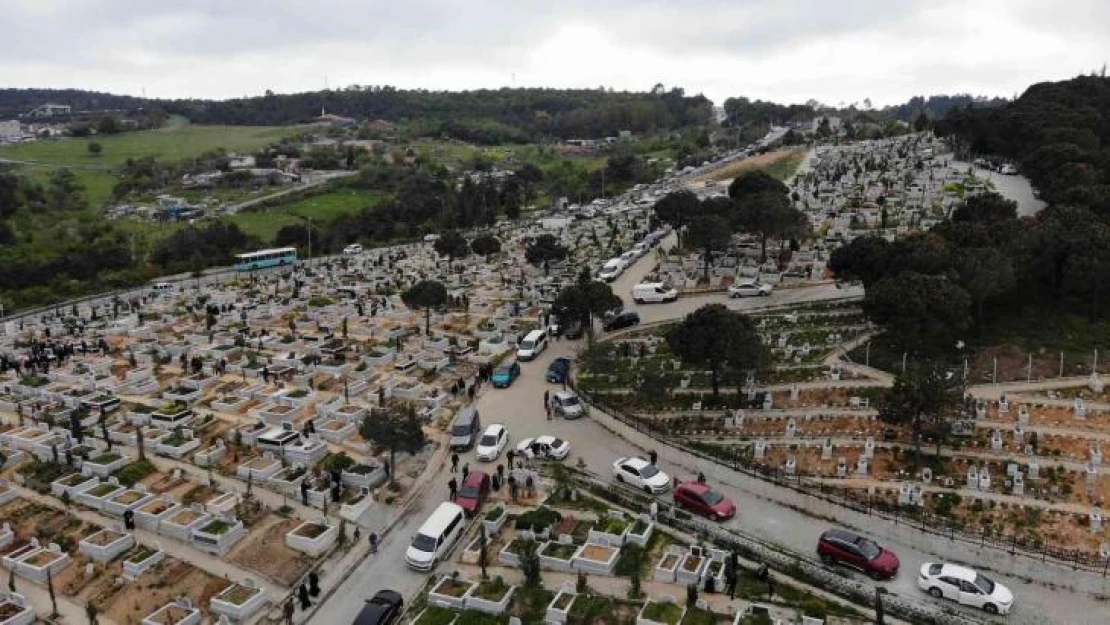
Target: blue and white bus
column 266, row 258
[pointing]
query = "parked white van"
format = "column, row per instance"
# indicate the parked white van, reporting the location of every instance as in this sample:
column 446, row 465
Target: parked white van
column 533, row 345
column 611, row 269
column 653, row 293
column 436, row 538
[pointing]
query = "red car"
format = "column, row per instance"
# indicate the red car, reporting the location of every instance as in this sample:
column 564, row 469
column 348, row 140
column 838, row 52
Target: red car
column 701, row 499
column 472, row 493
column 838, row 546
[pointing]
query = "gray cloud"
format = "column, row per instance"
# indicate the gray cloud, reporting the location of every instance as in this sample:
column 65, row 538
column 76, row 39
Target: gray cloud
column 785, row 50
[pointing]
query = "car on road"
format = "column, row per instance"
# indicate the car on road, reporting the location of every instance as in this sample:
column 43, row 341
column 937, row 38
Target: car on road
column 965, row 586
column 838, row 546
column 653, row 292
column 1008, row 170
column 352, row 249
column 504, row 375
column 626, row 319
column 700, row 499
column 750, row 288
column 567, row 404
column 493, row 441
column 543, row 447
column 472, row 492
column 641, row 474
column 611, row 270
column 558, row 370
column 574, row 329
column 384, row 608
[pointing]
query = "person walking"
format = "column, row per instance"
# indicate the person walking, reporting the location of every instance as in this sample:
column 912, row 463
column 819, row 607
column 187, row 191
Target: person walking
column 653, row 457
column 465, row 471
column 547, row 399
column 509, row 455
column 373, row 542
column 453, row 486
column 454, row 463
column 358, row 533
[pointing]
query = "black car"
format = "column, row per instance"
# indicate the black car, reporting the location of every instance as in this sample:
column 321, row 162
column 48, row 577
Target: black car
column 625, row 319
column 573, row 329
column 558, row 369
column 385, row 608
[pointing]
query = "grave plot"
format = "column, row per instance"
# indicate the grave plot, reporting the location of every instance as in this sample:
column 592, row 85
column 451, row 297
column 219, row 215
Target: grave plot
column 265, row 551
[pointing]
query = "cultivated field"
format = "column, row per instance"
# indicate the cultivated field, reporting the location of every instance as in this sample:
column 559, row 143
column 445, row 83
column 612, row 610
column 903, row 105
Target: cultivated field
column 781, row 164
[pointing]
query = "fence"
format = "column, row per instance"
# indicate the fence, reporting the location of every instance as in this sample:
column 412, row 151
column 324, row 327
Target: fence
column 920, row 519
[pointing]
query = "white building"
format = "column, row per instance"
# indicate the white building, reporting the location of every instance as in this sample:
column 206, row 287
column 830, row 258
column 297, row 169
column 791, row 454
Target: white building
column 10, row 130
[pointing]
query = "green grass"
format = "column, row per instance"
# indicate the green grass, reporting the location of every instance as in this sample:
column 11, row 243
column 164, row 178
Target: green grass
column 167, row 144
column 320, row 208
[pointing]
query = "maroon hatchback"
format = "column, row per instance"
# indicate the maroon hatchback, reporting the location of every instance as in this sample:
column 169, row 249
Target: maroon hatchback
column 838, row 546
column 700, row 499
column 472, row 493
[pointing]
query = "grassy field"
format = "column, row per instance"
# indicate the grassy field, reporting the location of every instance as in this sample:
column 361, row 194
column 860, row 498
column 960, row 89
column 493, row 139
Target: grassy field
column 781, row 164
column 320, row 208
column 173, row 144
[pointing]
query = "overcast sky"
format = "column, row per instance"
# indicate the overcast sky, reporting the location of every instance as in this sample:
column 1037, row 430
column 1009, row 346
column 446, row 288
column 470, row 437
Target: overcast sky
column 784, row 50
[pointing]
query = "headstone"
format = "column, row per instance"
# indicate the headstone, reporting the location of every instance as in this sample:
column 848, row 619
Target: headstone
column 1079, row 408
column 827, row 449
column 794, row 392
column 90, row 570
column 980, row 410
column 1092, row 473
column 767, row 401
column 1019, row 484
column 972, row 477
column 927, row 475
column 1096, row 521
column 791, row 428
column 842, row 467
column 861, row 467
column 1095, row 383
column 1096, row 454
column 905, row 494
column 1011, row 468
column 760, row 449
column 1003, row 405
column 1019, row 435
column 996, row 440
column 1034, row 469
column 984, row 478
column 791, row 466
column 1023, row 414
column 869, row 447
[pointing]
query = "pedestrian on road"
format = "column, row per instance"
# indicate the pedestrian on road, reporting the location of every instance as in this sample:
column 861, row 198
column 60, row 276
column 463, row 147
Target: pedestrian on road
column 358, row 533
column 287, row 611
column 512, row 486
column 302, row 594
column 653, row 457
column 547, row 399
column 373, row 542
column 454, row 463
column 465, row 470
column 509, row 454
column 548, row 407
column 701, row 477
column 453, row 486
column 314, row 584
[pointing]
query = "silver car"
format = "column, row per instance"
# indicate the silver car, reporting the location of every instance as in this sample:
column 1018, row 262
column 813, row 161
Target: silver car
column 567, row 404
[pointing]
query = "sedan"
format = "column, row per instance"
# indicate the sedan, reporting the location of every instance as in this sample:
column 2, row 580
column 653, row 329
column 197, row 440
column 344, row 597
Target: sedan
column 558, row 370
column 838, row 546
column 567, row 405
column 750, row 288
column 504, row 375
column 546, row 447
column 965, row 586
column 492, row 443
column 383, row 609
column 641, row 474
column 622, row 320
column 700, row 499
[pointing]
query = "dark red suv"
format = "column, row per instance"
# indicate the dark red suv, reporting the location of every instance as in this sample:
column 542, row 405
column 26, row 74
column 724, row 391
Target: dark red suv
column 838, row 546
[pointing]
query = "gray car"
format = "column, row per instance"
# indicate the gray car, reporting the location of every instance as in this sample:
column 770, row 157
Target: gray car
column 567, row 404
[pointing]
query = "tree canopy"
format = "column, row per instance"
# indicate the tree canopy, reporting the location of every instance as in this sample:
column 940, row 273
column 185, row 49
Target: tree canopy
column 717, row 338
column 426, row 295
column 543, row 250
column 396, row 428
column 486, row 245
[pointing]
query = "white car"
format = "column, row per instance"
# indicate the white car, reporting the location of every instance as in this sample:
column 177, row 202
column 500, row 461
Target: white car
column 352, row 249
column 547, row 447
column 641, row 474
column 492, row 443
column 612, row 268
column 1008, row 170
column 567, row 404
column 965, row 586
column 750, row 288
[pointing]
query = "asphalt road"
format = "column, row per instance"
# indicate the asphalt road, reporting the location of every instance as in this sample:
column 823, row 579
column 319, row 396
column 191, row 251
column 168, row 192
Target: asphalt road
column 520, row 408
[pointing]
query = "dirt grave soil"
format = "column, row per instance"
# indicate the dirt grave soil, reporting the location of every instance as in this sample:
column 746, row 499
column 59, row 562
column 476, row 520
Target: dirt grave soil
column 264, row 551
column 172, row 578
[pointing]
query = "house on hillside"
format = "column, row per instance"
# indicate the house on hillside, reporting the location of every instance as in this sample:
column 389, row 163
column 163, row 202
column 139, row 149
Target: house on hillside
column 50, row 110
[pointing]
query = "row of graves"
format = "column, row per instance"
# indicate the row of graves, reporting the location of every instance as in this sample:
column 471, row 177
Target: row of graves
column 889, row 186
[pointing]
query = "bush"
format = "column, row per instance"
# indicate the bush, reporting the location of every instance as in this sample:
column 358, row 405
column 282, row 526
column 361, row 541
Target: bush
column 319, row 301
column 134, row 472
column 537, row 520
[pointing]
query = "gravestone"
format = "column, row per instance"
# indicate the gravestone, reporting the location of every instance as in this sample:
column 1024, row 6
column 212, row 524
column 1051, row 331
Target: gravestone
column 980, row 410
column 869, row 447
column 1096, row 454
column 767, row 401
column 1034, row 469
column 927, row 475
column 1079, row 409
column 1092, row 473
column 842, row 467
column 1018, row 484
column 1019, row 435
column 791, row 428
column 794, row 392
column 1096, row 521
column 972, row 477
column 861, row 467
column 1003, row 405
column 1023, row 414
column 827, row 449
column 996, row 440
column 760, row 449
column 984, row 478
column 791, row 466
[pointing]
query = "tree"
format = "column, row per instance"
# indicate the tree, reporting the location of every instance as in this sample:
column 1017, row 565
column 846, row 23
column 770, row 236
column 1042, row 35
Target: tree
column 395, row 428
column 530, row 564
column 139, row 440
column 50, row 589
column 985, row 208
column 486, row 245
column 921, row 312
column 921, row 122
column 95, row 149
column 717, row 338
column 677, row 208
column 710, row 233
column 426, row 295
column 108, row 125
column 863, row 259
column 543, row 250
column 769, row 214
column 753, row 183
column 585, row 300
column 984, row 272
column 452, row 245
column 483, row 558
column 926, row 395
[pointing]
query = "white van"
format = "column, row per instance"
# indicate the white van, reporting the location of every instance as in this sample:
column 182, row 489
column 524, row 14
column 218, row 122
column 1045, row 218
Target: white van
column 611, row 269
column 532, row 345
column 437, row 537
column 653, row 293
